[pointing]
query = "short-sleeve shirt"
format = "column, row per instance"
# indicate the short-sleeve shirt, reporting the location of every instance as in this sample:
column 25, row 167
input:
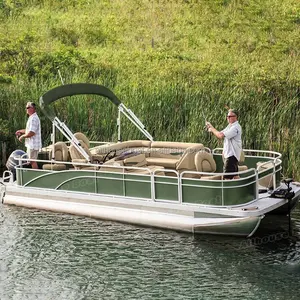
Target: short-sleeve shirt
column 33, row 124
column 232, row 140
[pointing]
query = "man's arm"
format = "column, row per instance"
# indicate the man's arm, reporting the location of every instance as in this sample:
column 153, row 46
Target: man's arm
column 27, row 135
column 19, row 132
column 218, row 134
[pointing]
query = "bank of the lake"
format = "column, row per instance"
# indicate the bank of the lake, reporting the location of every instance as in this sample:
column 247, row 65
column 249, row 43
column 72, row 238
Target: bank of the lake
column 169, row 61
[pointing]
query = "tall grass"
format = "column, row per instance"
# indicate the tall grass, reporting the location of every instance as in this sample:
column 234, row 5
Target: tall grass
column 171, row 62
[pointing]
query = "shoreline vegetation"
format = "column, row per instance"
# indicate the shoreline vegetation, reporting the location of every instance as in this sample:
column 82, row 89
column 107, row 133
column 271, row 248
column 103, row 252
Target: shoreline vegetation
column 167, row 60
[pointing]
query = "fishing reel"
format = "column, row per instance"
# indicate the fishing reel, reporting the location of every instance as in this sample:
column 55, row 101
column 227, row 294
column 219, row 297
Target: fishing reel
column 205, row 126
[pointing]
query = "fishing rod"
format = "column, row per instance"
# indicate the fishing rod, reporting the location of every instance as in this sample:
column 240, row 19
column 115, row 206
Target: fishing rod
column 205, row 121
column 203, row 116
column 59, row 74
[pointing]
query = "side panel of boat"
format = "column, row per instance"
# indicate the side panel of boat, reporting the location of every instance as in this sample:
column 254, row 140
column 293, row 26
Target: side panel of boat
column 230, row 192
column 166, row 188
column 208, row 192
column 88, row 182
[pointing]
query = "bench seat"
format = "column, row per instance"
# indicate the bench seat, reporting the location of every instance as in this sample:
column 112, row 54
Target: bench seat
column 169, row 163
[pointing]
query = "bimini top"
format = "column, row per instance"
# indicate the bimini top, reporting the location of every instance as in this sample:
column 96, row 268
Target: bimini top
column 71, row 90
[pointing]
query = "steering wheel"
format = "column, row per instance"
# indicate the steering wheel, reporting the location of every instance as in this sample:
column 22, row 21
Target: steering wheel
column 110, row 155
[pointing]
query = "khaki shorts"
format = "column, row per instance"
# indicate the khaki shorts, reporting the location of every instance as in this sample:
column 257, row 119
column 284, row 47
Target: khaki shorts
column 32, row 154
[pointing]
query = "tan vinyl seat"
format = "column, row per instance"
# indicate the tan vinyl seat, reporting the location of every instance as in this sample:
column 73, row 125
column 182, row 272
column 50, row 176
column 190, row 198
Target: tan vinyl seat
column 82, row 137
column 60, row 154
column 77, row 157
column 169, row 163
column 205, row 162
column 266, row 181
column 241, row 166
column 119, row 164
column 187, row 160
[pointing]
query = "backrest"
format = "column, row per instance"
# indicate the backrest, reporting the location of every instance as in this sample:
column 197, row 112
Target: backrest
column 187, row 161
column 173, row 145
column 61, row 152
column 75, row 154
column 81, row 136
column 170, row 149
column 266, row 181
column 122, row 146
column 115, row 164
column 205, row 162
column 242, row 158
column 136, row 161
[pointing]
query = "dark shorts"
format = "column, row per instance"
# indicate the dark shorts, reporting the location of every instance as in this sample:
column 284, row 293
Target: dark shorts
column 230, row 166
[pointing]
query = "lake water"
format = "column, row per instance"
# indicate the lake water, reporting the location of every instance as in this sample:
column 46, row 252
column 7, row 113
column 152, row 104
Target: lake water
column 56, row 256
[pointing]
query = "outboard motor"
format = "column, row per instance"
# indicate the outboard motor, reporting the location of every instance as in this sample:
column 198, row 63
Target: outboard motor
column 13, row 161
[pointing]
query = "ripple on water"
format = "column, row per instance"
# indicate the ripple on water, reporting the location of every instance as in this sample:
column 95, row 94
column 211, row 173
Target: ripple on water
column 57, row 256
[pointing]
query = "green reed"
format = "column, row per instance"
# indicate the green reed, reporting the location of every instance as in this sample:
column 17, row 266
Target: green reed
column 172, row 62
column 170, row 112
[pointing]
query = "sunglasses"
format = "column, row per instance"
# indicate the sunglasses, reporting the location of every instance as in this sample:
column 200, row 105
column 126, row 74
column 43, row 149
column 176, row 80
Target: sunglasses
column 231, row 116
column 28, row 107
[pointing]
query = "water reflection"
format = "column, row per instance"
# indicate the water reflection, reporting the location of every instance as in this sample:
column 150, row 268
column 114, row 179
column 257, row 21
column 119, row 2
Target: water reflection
column 56, row 256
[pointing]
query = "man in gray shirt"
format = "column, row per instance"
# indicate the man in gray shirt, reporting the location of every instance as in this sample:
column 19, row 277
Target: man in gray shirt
column 232, row 149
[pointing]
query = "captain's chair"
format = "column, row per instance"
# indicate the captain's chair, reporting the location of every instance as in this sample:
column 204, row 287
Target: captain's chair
column 77, row 157
column 82, row 137
column 186, row 162
column 60, row 154
column 205, row 162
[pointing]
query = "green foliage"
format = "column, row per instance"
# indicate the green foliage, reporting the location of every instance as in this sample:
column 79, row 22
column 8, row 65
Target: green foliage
column 45, row 64
column 4, row 130
column 170, row 61
column 5, row 79
column 67, row 36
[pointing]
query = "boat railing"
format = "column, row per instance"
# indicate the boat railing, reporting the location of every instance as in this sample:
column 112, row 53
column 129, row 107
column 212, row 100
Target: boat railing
column 251, row 152
column 263, row 168
column 188, row 182
column 261, row 160
column 247, row 178
column 8, row 176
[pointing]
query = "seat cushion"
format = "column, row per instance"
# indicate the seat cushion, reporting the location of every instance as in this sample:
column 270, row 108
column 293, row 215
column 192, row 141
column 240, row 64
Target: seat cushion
column 266, row 181
column 205, row 162
column 169, row 163
column 54, row 167
column 136, row 160
column 242, row 168
column 82, row 137
column 157, row 170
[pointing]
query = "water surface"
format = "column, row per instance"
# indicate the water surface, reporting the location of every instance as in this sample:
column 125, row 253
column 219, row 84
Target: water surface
column 46, row 255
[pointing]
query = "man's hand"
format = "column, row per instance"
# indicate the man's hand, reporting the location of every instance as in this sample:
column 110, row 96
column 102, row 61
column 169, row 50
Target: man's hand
column 208, row 126
column 21, row 137
column 18, row 133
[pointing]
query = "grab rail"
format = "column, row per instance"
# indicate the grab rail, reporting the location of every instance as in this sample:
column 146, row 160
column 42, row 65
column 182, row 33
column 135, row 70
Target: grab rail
column 250, row 174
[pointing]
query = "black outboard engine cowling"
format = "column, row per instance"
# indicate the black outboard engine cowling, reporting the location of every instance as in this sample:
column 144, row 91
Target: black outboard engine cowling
column 13, row 161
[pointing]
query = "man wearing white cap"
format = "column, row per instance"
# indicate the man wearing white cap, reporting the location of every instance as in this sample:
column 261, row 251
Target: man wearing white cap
column 32, row 134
